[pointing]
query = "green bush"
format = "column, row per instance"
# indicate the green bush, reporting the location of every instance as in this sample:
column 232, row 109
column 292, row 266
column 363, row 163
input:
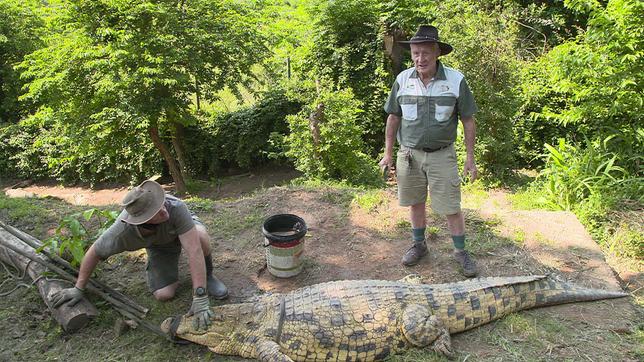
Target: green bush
column 239, row 139
column 40, row 147
column 338, row 155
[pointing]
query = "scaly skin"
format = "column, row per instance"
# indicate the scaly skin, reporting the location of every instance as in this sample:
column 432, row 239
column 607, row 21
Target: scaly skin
column 368, row 320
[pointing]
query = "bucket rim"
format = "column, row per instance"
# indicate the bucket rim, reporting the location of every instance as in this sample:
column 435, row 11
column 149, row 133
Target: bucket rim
column 282, row 239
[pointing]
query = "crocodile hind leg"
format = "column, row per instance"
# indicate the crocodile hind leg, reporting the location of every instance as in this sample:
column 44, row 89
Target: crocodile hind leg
column 269, row 351
column 421, row 329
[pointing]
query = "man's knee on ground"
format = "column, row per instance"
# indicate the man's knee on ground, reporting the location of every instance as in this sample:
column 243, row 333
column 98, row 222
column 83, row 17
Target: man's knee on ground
column 164, row 294
column 204, row 238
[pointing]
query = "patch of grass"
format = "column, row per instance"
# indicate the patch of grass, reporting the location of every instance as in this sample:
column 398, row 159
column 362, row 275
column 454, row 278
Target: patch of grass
column 228, row 223
column 416, row 355
column 20, row 208
column 432, row 232
column 519, row 236
column 482, row 235
column 403, row 224
column 627, row 241
column 541, row 239
column 530, row 199
column 474, row 194
column 525, row 336
column 337, row 196
column 199, row 204
column 369, row 200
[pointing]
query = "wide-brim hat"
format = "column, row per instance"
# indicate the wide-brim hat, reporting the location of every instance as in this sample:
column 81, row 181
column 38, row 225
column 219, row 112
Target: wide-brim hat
column 428, row 34
column 143, row 202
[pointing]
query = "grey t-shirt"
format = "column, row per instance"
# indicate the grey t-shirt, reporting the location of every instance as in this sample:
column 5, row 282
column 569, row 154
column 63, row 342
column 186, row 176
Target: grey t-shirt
column 122, row 236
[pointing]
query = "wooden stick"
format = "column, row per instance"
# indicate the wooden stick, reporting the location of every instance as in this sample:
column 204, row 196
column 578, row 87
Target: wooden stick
column 70, row 318
column 35, row 243
column 118, row 305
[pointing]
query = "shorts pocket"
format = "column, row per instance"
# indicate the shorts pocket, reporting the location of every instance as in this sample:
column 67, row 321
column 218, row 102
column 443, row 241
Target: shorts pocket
column 409, row 111
column 455, row 186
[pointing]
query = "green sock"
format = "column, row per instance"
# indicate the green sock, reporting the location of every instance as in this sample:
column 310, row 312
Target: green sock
column 459, row 241
column 418, row 235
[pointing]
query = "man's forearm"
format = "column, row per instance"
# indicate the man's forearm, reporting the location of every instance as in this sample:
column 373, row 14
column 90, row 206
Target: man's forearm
column 393, row 122
column 90, row 260
column 196, row 261
column 197, row 268
column 469, row 130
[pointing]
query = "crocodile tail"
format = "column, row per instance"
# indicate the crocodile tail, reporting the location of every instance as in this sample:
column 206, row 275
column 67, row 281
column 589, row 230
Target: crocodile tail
column 561, row 293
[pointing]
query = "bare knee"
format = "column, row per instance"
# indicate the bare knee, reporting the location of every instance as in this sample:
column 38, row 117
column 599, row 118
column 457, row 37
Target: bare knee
column 204, row 239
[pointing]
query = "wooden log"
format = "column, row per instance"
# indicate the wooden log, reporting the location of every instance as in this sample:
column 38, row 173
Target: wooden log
column 70, row 318
column 36, row 244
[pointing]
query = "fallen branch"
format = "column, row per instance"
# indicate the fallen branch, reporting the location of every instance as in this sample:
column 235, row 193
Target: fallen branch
column 122, row 308
column 37, row 244
column 70, row 318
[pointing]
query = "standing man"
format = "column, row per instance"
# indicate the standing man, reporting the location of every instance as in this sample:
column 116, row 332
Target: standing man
column 163, row 225
column 424, row 106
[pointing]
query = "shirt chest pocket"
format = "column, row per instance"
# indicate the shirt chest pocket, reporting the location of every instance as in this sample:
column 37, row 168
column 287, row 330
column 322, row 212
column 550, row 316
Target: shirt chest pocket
column 409, row 111
column 444, row 109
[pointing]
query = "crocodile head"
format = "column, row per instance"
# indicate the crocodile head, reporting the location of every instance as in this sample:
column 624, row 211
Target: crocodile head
column 228, row 322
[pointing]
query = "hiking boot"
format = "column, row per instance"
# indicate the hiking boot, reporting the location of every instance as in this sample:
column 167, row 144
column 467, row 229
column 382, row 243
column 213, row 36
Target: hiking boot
column 466, row 262
column 216, row 288
column 414, row 254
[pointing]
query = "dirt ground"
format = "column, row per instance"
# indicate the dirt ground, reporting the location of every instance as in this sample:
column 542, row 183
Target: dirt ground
column 347, row 240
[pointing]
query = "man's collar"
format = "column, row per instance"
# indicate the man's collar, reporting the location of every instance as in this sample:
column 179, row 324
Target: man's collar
column 440, row 72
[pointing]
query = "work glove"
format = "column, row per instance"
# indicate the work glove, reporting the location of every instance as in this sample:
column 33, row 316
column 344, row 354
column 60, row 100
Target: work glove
column 200, row 310
column 73, row 295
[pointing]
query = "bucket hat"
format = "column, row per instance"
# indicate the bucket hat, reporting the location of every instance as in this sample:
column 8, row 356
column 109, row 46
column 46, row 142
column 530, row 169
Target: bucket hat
column 143, row 202
column 428, row 34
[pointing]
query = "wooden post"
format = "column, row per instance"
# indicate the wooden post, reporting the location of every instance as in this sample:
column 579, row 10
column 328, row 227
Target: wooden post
column 70, row 318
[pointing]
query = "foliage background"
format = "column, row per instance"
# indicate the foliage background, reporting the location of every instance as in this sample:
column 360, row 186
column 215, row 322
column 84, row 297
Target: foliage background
column 558, row 83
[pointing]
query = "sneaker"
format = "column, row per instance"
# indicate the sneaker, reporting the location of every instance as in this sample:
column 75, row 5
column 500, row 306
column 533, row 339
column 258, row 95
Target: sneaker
column 414, row 254
column 466, row 262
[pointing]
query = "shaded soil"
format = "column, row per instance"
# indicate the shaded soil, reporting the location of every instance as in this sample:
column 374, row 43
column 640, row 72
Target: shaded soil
column 346, row 241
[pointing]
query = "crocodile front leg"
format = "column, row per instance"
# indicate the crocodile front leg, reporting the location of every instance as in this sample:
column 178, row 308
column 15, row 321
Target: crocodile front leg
column 269, row 351
column 421, row 329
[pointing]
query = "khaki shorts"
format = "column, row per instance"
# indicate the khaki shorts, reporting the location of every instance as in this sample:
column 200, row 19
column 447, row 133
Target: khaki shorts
column 162, row 268
column 417, row 171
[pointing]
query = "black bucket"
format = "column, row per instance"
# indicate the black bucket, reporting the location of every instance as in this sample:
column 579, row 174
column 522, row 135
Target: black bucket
column 283, row 238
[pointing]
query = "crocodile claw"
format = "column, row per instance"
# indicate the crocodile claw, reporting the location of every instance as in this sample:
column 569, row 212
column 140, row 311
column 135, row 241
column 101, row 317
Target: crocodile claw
column 443, row 345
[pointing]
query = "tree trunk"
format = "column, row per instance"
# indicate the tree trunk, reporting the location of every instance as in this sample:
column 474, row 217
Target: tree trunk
column 315, row 119
column 394, row 50
column 173, row 166
column 177, row 143
column 70, row 318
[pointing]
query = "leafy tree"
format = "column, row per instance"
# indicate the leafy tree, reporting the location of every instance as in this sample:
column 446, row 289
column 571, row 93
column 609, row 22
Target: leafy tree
column 348, row 52
column 592, row 86
column 122, row 68
column 326, row 140
column 20, row 31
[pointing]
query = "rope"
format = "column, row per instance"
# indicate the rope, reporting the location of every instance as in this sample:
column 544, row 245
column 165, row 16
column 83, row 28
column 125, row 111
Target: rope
column 13, row 276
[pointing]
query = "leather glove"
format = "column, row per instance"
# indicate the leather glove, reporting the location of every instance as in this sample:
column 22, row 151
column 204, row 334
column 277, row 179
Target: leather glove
column 200, row 310
column 73, row 295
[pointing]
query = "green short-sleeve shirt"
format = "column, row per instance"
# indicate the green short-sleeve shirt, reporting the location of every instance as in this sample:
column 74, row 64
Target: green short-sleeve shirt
column 429, row 114
column 122, row 236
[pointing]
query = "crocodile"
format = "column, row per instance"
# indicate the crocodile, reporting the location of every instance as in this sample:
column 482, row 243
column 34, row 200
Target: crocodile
column 368, row 320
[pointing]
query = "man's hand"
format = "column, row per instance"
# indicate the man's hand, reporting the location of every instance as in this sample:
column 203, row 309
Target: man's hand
column 387, row 161
column 73, row 295
column 200, row 309
column 470, row 169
